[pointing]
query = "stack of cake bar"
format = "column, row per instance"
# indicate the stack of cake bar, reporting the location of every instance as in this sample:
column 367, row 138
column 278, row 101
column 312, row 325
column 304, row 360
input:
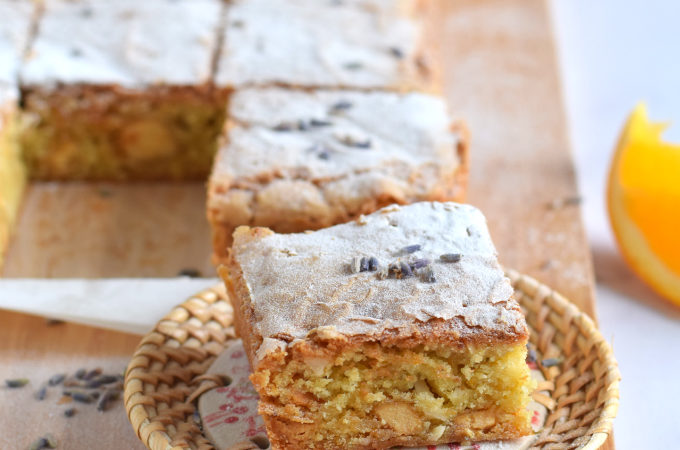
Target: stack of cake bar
column 312, row 111
column 390, row 325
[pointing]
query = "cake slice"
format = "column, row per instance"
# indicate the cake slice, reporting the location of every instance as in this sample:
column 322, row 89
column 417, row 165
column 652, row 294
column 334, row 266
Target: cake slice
column 294, row 160
column 15, row 29
column 12, row 171
column 399, row 328
column 123, row 90
column 358, row 44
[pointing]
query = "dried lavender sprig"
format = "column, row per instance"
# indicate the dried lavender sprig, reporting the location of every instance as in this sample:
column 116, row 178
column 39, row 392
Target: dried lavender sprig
column 41, row 393
column 340, row 106
column 373, row 263
column 105, row 398
column 320, row 123
column 51, row 322
column 404, row 270
column 363, row 266
column 16, row 382
column 450, row 257
column 396, row 52
column 283, row 126
column 419, row 263
column 189, row 272
column 100, row 381
column 93, row 373
column 39, row 444
column 81, row 396
column 531, row 354
column 302, row 125
column 74, row 382
column 355, row 65
column 351, row 142
column 411, row 249
column 550, row 362
column 51, row 441
column 108, row 379
column 56, row 379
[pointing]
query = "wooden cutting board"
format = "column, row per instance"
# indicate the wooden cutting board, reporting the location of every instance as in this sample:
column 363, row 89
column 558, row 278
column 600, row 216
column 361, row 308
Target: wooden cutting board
column 500, row 75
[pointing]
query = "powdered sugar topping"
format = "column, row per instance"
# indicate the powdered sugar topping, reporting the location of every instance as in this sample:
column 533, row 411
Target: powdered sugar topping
column 302, row 282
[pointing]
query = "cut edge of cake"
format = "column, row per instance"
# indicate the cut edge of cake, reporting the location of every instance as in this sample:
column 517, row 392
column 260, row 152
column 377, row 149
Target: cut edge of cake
column 13, row 176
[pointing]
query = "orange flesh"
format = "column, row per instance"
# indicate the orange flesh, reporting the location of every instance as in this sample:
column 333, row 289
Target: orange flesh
column 649, row 176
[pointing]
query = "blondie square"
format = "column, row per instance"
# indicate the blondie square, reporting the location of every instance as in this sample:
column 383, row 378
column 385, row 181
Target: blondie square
column 122, row 90
column 12, row 171
column 399, row 328
column 357, row 44
column 15, row 30
column 294, row 160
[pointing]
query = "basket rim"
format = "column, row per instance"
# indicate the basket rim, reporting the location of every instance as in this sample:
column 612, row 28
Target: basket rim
column 605, row 352
column 155, row 435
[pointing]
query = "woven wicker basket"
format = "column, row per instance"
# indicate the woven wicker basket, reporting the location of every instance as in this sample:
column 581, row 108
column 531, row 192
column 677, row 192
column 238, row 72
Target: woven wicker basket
column 167, row 372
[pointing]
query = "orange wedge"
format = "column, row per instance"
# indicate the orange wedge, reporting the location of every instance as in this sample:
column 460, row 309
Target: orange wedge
column 643, row 198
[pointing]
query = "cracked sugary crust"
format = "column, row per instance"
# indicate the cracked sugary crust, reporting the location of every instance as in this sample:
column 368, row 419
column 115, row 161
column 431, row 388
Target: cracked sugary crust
column 130, row 43
column 336, row 45
column 315, row 298
column 416, row 154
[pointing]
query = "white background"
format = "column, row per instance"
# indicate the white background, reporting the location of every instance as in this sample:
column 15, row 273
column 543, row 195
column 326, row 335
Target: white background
column 613, row 54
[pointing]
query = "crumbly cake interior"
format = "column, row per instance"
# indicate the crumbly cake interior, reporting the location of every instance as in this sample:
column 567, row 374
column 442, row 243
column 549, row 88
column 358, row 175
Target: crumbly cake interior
column 12, row 178
column 395, row 396
column 108, row 132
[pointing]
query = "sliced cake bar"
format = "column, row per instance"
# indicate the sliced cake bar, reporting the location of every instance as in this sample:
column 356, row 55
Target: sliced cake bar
column 399, row 328
column 294, row 160
column 12, row 170
column 16, row 23
column 122, row 89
